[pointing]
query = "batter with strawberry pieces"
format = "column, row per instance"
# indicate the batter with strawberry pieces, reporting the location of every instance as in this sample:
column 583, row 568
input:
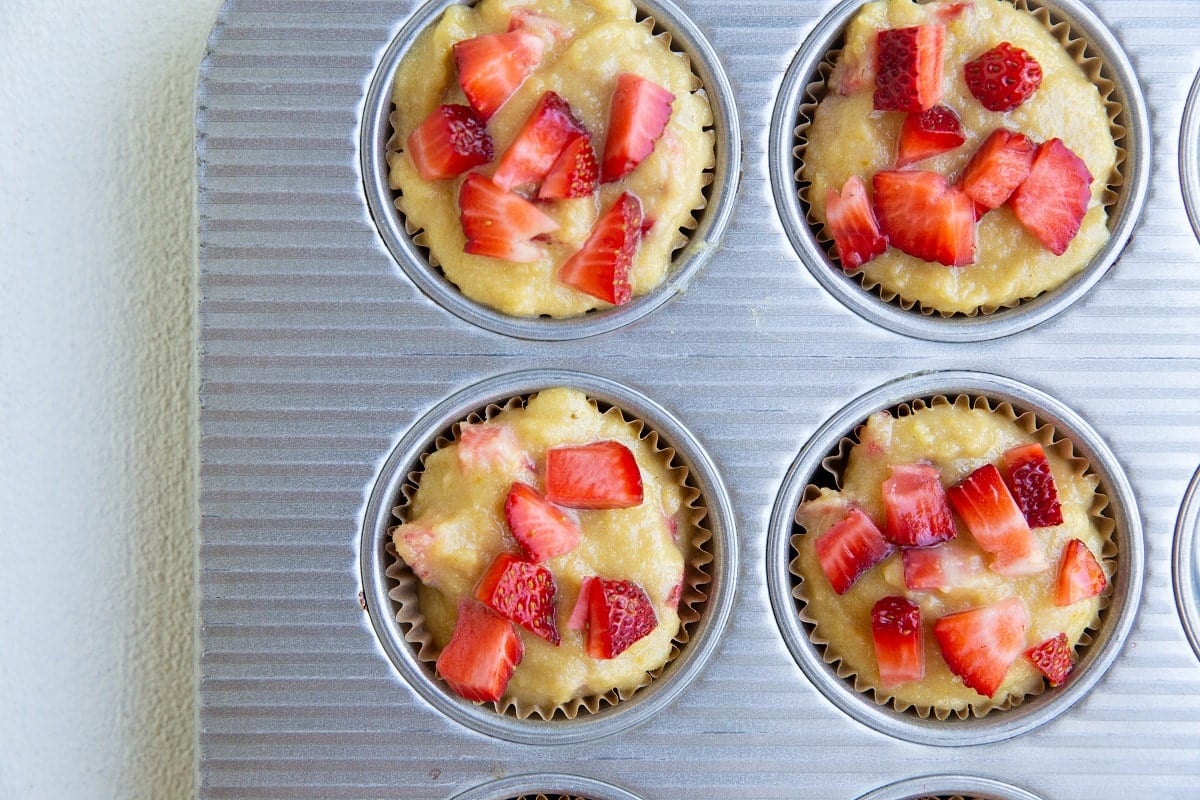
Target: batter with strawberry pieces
column 958, row 566
column 550, row 546
column 550, row 152
column 959, row 157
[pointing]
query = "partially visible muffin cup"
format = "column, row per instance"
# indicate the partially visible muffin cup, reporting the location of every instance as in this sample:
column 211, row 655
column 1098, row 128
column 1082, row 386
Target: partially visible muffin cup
column 949, row 787
column 1189, row 156
column 1186, row 563
column 546, row 787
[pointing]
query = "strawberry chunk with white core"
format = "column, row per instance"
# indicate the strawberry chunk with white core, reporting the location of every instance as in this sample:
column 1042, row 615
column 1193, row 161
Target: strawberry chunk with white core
column 915, row 504
column 416, row 541
column 1053, row 199
column 482, row 653
column 1080, row 575
column 546, row 132
column 908, row 68
column 550, row 30
column 601, row 266
column 542, row 529
column 996, row 523
column 980, row 644
column 850, row 548
column 927, row 134
column 491, row 446
column 619, row 615
column 1032, row 485
column 851, row 221
column 899, row 644
column 582, row 608
column 492, row 66
column 1053, row 658
column 500, row 224
column 576, row 173
column 941, row 568
column 450, row 141
column 601, row 475
column 923, row 215
column 998, row 167
column 637, row 116
column 521, row 592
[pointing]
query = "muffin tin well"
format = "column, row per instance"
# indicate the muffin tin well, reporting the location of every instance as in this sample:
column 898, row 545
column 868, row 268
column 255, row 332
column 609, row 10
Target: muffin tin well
column 1186, row 563
column 1189, row 155
column 949, row 787
column 546, row 787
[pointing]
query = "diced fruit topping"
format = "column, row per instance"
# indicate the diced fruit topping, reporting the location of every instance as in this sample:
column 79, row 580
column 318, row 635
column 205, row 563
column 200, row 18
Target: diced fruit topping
column 619, row 614
column 482, row 653
column 500, row 224
column 924, row 216
column 574, row 174
column 541, row 529
column 980, row 644
column 491, row 66
column 526, row 19
column 941, row 568
column 917, row 513
column 1080, row 575
column 908, row 68
column 899, row 650
column 998, row 167
column 546, row 132
column 928, row 133
column 521, row 592
column 637, row 117
column 600, row 475
column 1032, row 485
column 449, row 142
column 852, row 223
column 582, row 608
column 487, row 446
column 1003, row 77
column 1053, row 658
column 996, row 524
column 414, row 545
column 849, row 548
column 1052, row 200
column 601, row 267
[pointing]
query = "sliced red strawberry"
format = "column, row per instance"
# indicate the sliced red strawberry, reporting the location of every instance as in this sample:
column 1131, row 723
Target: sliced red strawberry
column 619, row 614
column 852, row 223
column 998, row 167
column 542, row 529
column 415, row 542
column 927, row 133
column 915, row 503
column 521, row 592
column 908, row 68
column 899, row 648
column 1080, row 575
column 1032, row 485
column 1003, row 78
column 949, row 10
column 849, row 548
column 574, row 174
column 601, row 267
column 582, row 608
column 492, row 65
column 491, row 445
column 1053, row 658
column 942, row 568
column 548, row 28
column 1052, row 200
column 924, row 216
column 980, row 644
column 636, row 119
column 600, row 475
column 449, row 142
column 482, row 653
column 996, row 524
column 539, row 143
column 500, row 224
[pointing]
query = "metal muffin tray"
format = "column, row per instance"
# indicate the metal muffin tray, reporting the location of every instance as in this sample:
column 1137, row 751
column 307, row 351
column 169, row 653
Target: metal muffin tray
column 325, row 349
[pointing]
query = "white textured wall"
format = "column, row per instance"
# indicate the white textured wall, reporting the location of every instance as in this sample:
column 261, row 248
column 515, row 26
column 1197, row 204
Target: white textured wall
column 97, row 408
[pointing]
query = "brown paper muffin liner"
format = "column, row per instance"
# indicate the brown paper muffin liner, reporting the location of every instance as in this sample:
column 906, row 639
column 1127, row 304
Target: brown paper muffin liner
column 834, row 465
column 693, row 600
column 1094, row 68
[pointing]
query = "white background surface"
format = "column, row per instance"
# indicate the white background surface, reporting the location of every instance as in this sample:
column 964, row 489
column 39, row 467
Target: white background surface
column 97, row 396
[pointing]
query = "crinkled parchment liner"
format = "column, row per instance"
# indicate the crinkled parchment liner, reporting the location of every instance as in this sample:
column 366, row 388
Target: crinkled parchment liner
column 692, row 603
column 1093, row 66
column 836, row 462
column 417, row 233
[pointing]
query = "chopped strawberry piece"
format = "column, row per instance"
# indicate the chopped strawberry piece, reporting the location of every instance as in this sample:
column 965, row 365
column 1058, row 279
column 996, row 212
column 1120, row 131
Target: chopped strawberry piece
column 908, row 68
column 1032, row 485
column 852, row 223
column 541, row 529
column 924, row 216
column 996, row 523
column 1053, row 658
column 899, row 647
column 539, row 143
column 998, row 167
column 492, row 66
column 500, row 224
column 482, row 653
column 948, row 11
column 548, row 28
column 849, row 548
column 600, row 475
column 675, row 594
column 414, row 544
column 915, row 502
column 619, row 614
column 943, row 568
column 1052, row 200
column 574, row 174
column 927, row 133
column 636, row 119
column 582, row 608
column 522, row 593
column 491, row 445
column 449, row 142
column 601, row 267
column 1080, row 575
column 1003, row 78
column 980, row 644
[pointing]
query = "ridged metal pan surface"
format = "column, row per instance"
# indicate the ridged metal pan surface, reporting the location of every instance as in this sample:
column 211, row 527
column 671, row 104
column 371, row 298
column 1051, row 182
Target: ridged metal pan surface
column 319, row 353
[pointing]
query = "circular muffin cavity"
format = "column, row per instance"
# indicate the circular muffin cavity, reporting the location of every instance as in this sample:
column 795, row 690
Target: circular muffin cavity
column 1015, row 280
column 546, row 787
column 685, row 187
column 949, row 787
column 426, row 553
column 1186, row 563
column 1189, row 156
column 957, row 428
